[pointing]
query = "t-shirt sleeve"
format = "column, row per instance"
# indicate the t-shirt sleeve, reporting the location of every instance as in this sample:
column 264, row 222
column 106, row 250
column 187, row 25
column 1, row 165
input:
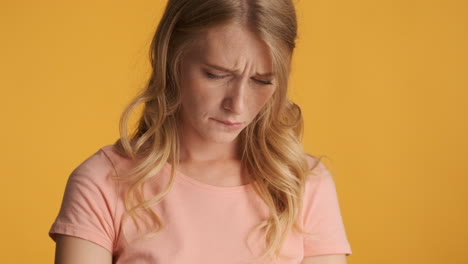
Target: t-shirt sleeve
column 89, row 202
column 322, row 216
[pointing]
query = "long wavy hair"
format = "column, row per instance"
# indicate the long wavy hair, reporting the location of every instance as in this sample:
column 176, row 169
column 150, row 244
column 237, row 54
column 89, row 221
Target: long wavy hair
column 271, row 145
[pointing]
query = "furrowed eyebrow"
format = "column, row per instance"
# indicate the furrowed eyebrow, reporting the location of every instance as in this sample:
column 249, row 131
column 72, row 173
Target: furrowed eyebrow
column 220, row 68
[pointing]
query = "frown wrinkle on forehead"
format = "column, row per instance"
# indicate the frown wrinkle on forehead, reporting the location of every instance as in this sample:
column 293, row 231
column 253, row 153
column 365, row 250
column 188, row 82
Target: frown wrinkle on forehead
column 235, row 48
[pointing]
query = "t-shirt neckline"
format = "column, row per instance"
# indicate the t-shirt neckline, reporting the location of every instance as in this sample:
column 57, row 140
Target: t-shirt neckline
column 182, row 178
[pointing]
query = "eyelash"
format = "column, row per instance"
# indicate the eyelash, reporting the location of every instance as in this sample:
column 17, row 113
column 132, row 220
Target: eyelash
column 217, row 77
column 213, row 76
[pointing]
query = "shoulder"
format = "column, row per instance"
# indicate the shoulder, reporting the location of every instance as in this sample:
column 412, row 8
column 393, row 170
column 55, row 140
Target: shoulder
column 316, row 166
column 319, row 179
column 99, row 167
column 95, row 169
column 110, row 153
column 97, row 162
column 118, row 161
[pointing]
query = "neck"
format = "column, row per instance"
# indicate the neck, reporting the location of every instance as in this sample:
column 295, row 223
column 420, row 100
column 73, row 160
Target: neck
column 194, row 149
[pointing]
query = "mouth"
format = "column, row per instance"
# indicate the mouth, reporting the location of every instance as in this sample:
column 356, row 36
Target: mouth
column 229, row 123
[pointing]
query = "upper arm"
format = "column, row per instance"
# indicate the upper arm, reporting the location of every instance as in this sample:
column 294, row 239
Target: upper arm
column 321, row 214
column 325, row 259
column 88, row 205
column 71, row 250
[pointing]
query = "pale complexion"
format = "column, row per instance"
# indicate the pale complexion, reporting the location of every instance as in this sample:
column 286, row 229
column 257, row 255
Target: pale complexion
column 225, row 76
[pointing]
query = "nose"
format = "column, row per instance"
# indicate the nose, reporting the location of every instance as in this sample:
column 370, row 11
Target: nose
column 235, row 97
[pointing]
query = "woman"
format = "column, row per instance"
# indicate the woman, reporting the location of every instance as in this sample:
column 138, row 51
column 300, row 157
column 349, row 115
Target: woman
column 215, row 171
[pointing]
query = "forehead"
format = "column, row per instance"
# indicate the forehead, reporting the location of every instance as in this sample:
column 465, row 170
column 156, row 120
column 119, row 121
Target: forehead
column 232, row 46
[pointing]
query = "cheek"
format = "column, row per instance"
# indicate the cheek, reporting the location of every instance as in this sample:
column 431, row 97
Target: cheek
column 196, row 93
column 258, row 99
column 190, row 84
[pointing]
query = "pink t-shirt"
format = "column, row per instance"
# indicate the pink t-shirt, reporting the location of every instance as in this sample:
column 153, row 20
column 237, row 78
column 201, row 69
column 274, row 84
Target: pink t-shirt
column 204, row 223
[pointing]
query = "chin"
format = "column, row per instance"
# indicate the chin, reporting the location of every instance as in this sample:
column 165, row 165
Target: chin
column 222, row 138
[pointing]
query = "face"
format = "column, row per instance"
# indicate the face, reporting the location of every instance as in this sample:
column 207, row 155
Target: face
column 225, row 81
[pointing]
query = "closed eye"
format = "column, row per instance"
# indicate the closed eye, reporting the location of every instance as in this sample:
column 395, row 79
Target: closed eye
column 264, row 82
column 213, row 76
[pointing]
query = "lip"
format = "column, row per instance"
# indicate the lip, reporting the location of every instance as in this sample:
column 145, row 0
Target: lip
column 229, row 124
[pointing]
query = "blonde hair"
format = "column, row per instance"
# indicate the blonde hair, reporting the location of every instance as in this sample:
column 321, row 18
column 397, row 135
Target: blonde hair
column 271, row 144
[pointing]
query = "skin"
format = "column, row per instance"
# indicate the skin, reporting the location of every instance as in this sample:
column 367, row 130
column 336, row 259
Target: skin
column 209, row 151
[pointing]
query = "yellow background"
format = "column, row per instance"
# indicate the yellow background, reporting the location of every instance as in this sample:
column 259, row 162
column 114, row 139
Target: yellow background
column 382, row 84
